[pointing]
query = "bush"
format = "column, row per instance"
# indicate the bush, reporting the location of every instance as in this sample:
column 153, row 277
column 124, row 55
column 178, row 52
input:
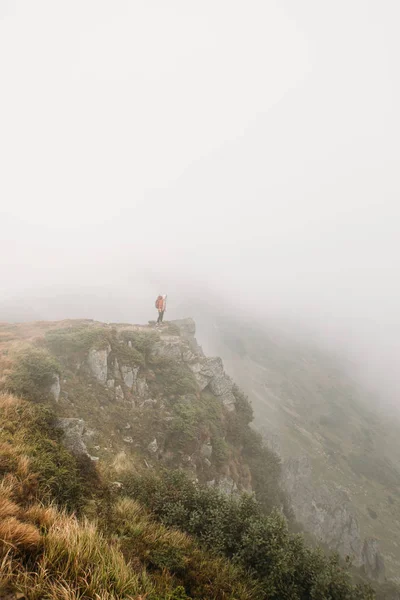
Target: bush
column 127, row 355
column 237, row 528
column 142, row 341
column 32, row 374
column 172, row 377
column 165, row 550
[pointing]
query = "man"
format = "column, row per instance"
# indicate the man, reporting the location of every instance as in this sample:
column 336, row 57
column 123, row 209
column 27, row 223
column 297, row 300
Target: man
column 161, row 306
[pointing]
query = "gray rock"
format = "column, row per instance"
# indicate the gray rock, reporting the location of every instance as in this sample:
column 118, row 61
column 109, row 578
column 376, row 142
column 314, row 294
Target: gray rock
column 73, row 430
column 153, row 446
column 55, row 389
column 129, row 375
column 94, row 458
column 187, row 327
column 128, row 440
column 373, row 563
column 207, row 462
column 110, row 383
column 210, row 373
column 97, row 361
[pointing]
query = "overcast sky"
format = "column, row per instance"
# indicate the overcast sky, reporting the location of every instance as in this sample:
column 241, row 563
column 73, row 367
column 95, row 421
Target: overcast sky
column 250, row 148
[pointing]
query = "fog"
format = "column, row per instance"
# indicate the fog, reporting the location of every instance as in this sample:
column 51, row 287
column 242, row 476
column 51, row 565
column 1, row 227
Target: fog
column 245, row 153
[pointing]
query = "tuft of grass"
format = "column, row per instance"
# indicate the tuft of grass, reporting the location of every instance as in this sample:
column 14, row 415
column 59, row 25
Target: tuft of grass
column 19, row 535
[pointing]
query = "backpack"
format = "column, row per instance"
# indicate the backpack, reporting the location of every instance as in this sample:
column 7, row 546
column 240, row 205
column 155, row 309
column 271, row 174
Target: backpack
column 158, row 302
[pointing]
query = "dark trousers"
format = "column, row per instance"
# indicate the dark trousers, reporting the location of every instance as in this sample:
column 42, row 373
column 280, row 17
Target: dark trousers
column 160, row 316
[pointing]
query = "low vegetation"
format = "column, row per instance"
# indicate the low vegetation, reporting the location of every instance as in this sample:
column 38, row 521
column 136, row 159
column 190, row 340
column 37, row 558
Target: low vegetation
column 32, row 374
column 237, row 528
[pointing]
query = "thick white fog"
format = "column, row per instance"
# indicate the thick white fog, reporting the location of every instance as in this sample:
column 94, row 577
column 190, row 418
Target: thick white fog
column 246, row 151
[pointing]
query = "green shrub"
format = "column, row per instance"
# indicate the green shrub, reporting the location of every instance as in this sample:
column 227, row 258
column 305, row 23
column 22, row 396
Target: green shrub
column 172, row 377
column 127, row 355
column 220, row 453
column 143, row 342
column 32, row 374
column 237, row 528
column 194, row 417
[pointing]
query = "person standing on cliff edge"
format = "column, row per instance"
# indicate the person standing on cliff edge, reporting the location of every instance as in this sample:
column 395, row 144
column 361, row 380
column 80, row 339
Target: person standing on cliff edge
column 161, row 306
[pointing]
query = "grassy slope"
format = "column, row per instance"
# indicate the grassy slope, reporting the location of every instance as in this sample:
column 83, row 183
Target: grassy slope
column 47, row 552
column 306, row 404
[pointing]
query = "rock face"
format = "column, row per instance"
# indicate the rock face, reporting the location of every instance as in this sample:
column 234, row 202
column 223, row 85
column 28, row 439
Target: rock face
column 97, row 362
column 129, row 375
column 209, row 372
column 325, row 511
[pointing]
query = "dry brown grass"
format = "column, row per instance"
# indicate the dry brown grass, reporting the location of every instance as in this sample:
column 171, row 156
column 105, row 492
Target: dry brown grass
column 18, row 535
column 41, row 516
column 8, row 508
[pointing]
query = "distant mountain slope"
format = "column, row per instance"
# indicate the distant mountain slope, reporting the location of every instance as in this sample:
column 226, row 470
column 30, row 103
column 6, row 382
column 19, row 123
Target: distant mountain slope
column 341, row 453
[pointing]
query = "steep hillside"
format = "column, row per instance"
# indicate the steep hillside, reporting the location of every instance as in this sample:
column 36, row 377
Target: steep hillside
column 95, row 419
column 341, row 455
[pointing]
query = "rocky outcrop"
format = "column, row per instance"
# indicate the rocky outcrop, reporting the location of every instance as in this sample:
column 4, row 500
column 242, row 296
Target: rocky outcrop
column 129, row 375
column 128, row 378
column 97, row 362
column 208, row 372
column 325, row 511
